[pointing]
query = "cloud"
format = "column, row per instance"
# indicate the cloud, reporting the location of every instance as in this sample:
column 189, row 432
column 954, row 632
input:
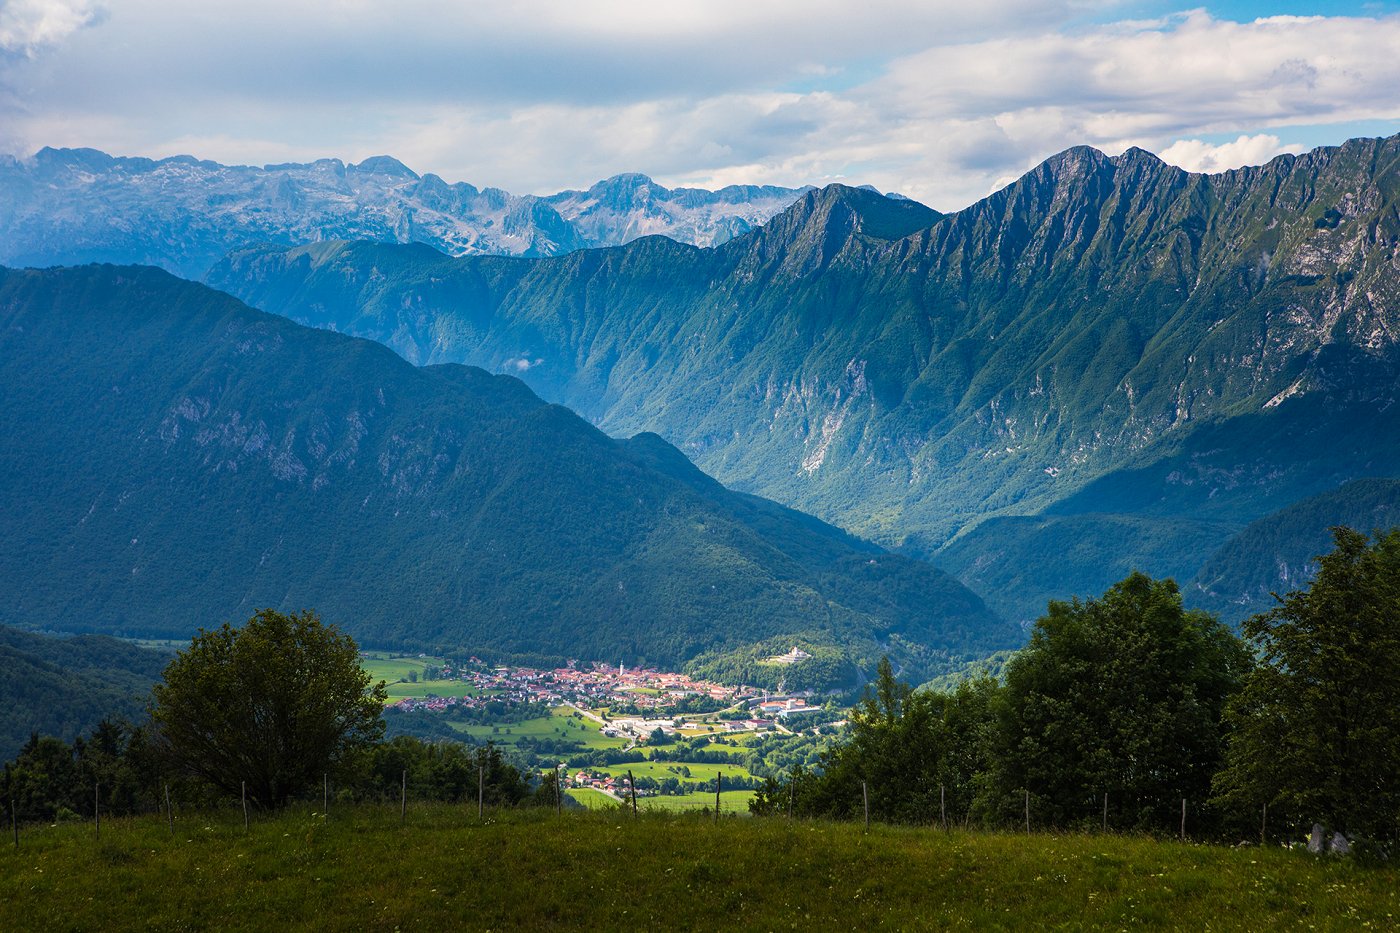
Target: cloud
column 26, row 26
column 1195, row 155
column 942, row 101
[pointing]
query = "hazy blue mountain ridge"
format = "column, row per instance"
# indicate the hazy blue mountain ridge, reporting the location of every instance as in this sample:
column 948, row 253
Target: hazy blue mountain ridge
column 71, row 206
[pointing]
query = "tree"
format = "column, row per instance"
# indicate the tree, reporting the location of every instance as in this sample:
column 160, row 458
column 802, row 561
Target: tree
column 1121, row 695
column 915, row 751
column 276, row 703
column 1317, row 725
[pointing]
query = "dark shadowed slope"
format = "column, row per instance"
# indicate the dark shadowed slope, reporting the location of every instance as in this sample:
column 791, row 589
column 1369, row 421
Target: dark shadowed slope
column 175, row 459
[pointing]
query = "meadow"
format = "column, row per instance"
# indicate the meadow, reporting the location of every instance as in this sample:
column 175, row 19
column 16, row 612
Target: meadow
column 395, row 670
column 560, row 725
column 537, row 870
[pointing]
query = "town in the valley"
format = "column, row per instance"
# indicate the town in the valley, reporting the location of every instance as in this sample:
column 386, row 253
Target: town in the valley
column 611, row 733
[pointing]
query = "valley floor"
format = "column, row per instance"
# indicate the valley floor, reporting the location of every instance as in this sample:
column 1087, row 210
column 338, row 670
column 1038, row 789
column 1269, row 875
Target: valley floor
column 444, row 869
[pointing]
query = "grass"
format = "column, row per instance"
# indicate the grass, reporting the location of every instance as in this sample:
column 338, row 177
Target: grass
column 730, row 801
column 391, row 667
column 605, row 870
column 664, row 769
column 560, row 724
column 440, row 688
column 592, row 799
column 394, row 671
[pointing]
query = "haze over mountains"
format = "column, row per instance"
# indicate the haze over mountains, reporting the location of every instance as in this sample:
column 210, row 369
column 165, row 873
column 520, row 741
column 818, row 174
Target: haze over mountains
column 71, row 206
column 1111, row 363
column 175, row 459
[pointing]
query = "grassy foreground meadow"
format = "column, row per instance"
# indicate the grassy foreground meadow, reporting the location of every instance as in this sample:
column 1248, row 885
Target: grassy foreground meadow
column 361, row 870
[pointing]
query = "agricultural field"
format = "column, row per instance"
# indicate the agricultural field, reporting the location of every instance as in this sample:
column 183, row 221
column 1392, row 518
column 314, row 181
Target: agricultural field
column 660, row 770
column 591, row 799
column 561, row 725
column 395, row 672
column 730, row 801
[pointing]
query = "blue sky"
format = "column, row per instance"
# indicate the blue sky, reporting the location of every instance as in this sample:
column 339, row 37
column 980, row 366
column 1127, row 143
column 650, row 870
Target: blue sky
column 942, row 100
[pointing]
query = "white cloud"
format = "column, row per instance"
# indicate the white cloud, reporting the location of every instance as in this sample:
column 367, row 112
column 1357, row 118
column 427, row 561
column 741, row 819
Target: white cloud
column 26, row 26
column 942, row 101
column 1194, row 155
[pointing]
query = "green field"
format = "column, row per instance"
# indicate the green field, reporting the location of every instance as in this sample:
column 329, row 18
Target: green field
column 535, row 870
column 559, row 725
column 592, row 799
column 730, row 801
column 391, row 667
column 394, row 671
column 660, row 770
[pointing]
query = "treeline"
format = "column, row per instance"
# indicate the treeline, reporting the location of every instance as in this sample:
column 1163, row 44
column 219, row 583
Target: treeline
column 121, row 770
column 275, row 711
column 1122, row 707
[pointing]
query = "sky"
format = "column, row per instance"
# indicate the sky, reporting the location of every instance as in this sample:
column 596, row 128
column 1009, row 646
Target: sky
column 942, row 101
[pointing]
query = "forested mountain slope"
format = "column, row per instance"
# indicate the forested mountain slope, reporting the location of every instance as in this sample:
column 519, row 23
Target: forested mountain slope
column 65, row 686
column 174, row 459
column 1110, row 338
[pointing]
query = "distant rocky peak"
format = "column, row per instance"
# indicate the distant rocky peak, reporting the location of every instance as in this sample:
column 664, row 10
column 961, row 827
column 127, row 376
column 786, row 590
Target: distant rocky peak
column 841, row 209
column 385, row 165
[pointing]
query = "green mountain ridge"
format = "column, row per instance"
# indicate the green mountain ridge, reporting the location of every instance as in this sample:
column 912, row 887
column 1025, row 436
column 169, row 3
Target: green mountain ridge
column 1106, row 336
column 66, row 686
column 1275, row 554
column 176, row 459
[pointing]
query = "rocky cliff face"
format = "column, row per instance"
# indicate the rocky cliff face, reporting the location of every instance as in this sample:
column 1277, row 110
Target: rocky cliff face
column 70, row 206
column 1105, row 335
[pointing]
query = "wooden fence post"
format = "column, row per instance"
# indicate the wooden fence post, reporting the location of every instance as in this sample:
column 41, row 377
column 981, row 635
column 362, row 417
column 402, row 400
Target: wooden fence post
column 403, row 798
column 169, row 813
column 1105, row 811
column 97, row 808
column 325, row 794
column 792, row 793
column 865, row 798
column 244, row 785
column 558, row 792
column 632, row 785
column 1264, row 823
column 1028, row 811
column 480, row 791
column 943, row 806
column 14, row 821
column 719, row 782
column 1183, row 819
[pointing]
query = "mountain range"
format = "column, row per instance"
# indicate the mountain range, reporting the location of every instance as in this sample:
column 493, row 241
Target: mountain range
column 175, row 459
column 73, row 206
column 1109, row 364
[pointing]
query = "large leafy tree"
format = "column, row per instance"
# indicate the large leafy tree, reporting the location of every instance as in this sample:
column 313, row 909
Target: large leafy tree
column 918, row 753
column 275, row 703
column 1317, row 725
column 1122, row 695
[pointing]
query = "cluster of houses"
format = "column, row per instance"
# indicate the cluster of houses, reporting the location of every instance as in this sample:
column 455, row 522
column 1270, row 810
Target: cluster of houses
column 602, row 685
column 608, row 784
column 783, row 706
column 435, row 704
column 599, row 685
